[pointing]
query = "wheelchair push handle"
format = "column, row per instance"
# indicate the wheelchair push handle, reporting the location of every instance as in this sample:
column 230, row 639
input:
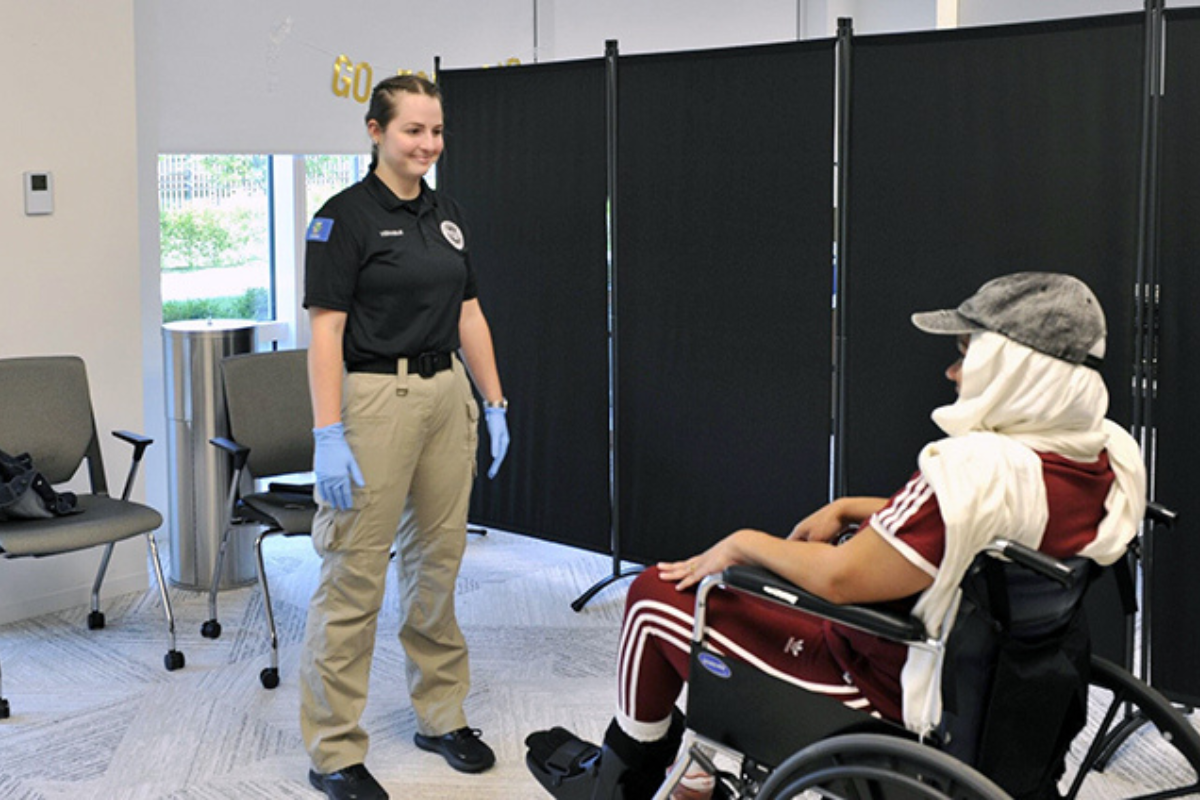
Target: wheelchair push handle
column 1031, row 559
column 1160, row 514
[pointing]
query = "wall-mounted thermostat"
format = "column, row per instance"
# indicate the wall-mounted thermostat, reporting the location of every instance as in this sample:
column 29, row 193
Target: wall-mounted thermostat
column 39, row 193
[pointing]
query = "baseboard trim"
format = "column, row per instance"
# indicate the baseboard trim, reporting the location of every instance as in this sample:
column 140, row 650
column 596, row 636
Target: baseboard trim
column 70, row 597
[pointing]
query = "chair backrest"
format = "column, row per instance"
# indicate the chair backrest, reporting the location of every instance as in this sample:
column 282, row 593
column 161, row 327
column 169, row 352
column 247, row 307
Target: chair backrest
column 46, row 411
column 1014, row 685
column 270, row 410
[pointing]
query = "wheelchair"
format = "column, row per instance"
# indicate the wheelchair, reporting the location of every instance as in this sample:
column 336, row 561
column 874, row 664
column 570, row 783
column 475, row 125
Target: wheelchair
column 1018, row 656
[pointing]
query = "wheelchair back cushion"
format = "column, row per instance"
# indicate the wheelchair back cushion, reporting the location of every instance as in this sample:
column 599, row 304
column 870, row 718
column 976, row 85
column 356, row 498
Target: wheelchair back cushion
column 1015, row 687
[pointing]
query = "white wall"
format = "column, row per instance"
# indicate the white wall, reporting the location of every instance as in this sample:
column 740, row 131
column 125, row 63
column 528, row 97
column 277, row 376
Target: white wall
column 988, row 12
column 71, row 280
column 257, row 77
column 892, row 16
column 575, row 29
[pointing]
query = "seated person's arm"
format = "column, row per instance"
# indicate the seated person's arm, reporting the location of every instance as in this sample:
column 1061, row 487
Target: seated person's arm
column 865, row 569
column 832, row 519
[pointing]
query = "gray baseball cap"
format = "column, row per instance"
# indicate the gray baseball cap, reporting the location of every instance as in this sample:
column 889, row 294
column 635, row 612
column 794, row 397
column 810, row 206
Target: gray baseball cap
column 1049, row 312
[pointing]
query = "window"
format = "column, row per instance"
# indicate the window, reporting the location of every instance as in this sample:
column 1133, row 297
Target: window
column 325, row 176
column 215, row 237
column 231, row 234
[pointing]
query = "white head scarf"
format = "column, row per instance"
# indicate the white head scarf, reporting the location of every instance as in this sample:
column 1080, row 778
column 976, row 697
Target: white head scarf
column 1044, row 402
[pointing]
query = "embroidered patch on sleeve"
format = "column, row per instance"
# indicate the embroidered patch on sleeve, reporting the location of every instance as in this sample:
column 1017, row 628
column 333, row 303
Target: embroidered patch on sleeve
column 319, row 229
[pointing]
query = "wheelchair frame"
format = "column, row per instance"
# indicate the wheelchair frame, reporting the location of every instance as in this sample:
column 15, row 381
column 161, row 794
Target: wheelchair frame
column 823, row 740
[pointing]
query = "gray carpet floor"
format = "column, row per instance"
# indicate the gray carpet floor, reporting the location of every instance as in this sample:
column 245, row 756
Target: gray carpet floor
column 95, row 714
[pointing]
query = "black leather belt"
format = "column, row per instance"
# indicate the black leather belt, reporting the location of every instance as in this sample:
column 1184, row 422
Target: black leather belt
column 426, row 365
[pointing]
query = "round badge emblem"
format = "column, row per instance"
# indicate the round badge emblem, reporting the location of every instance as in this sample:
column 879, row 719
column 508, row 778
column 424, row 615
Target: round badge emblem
column 453, row 234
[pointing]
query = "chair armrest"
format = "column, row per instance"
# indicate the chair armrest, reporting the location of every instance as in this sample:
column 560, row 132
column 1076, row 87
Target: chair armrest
column 140, row 443
column 769, row 586
column 239, row 452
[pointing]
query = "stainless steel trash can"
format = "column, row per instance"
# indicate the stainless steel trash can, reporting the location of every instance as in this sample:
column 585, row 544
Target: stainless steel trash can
column 199, row 473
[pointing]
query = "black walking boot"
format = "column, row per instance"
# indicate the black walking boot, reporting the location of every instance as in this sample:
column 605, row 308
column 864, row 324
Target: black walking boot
column 624, row 769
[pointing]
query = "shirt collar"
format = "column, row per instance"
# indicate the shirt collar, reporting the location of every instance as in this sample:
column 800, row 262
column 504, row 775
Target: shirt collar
column 390, row 202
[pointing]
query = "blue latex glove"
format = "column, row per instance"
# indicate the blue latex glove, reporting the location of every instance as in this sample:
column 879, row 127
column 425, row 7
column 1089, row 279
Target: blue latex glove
column 335, row 466
column 497, row 425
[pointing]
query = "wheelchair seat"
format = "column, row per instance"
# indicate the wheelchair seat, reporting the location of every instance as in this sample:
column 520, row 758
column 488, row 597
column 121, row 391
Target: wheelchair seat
column 1016, row 670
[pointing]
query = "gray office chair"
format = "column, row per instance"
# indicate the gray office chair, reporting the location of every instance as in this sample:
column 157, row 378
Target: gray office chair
column 46, row 411
column 270, row 435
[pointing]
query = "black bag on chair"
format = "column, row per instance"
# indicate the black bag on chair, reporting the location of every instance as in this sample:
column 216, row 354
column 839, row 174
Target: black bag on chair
column 25, row 494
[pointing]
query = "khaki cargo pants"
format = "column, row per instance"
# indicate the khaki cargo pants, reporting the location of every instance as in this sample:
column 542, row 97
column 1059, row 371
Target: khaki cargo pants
column 414, row 439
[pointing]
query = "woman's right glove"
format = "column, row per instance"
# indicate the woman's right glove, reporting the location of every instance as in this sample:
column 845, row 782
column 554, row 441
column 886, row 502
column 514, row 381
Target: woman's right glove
column 335, row 467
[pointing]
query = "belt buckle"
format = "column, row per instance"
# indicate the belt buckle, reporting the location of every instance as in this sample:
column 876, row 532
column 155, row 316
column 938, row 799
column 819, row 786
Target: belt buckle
column 427, row 364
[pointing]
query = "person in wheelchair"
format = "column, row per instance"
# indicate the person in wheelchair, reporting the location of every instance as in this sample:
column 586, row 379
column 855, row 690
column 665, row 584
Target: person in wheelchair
column 1028, row 456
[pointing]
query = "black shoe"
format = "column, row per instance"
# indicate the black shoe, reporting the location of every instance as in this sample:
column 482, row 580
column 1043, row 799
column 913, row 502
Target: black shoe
column 462, row 749
column 351, row 783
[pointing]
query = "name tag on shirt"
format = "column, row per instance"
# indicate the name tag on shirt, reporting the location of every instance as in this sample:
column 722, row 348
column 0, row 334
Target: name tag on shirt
column 319, row 229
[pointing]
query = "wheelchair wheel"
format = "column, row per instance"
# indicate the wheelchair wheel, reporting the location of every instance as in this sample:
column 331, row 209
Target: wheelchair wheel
column 865, row 765
column 1142, row 706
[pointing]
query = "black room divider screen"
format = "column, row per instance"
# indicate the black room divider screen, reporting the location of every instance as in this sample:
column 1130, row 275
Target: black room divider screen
column 975, row 153
column 724, row 340
column 972, row 154
column 1175, row 618
column 526, row 152
column 964, row 154
column 723, row 286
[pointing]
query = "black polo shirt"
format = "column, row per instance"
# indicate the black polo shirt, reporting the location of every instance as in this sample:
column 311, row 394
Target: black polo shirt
column 400, row 269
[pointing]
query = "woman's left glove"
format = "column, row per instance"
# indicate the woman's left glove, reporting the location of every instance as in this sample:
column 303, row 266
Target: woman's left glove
column 497, row 425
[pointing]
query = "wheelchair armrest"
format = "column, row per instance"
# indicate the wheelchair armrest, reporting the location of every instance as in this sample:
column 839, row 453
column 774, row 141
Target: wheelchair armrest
column 140, row 443
column 769, row 586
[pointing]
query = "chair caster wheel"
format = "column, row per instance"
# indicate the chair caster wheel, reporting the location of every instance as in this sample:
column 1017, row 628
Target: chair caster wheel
column 173, row 660
column 269, row 677
column 95, row 620
column 211, row 629
column 4, row 709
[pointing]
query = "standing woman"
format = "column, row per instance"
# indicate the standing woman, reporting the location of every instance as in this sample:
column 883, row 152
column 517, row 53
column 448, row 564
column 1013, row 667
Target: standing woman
column 391, row 298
